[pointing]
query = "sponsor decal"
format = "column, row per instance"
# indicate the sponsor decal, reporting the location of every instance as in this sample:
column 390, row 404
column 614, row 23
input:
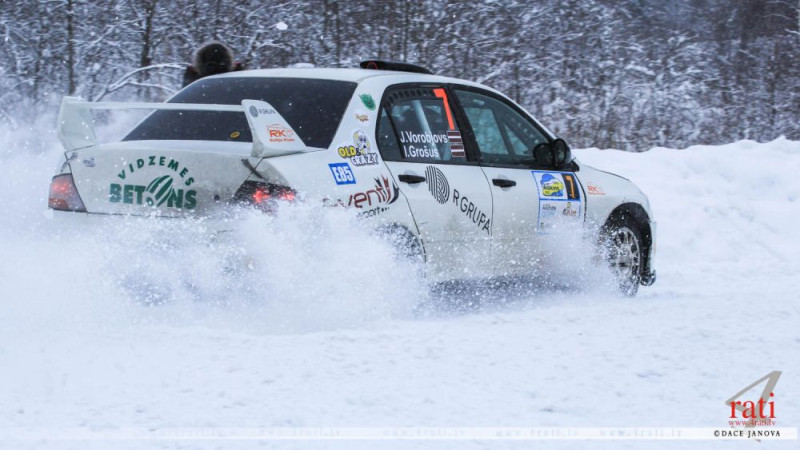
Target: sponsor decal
column 360, row 153
column 368, row 102
column 168, row 190
column 422, row 145
column 559, row 199
column 440, row 190
column 437, row 184
column 472, row 212
column 279, row 133
column 362, row 116
column 89, row 162
column 556, row 185
column 159, row 192
column 255, row 111
column 551, row 186
column 361, row 142
column 456, row 144
column 376, row 200
column 593, row 189
column 342, row 173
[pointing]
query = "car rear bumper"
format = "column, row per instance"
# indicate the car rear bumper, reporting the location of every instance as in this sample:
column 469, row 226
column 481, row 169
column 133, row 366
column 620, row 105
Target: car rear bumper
column 81, row 220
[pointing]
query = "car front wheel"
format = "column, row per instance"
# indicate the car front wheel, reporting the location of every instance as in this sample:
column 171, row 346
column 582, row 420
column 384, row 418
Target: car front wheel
column 623, row 250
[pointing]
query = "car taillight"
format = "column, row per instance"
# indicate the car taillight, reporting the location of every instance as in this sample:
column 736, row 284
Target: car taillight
column 264, row 196
column 63, row 194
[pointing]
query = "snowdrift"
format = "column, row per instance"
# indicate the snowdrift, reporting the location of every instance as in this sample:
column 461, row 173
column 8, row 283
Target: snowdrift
column 340, row 343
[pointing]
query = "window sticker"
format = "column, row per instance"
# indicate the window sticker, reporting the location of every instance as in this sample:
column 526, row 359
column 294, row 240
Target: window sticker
column 342, row 173
column 559, row 200
column 421, row 145
column 456, row 144
column 425, row 125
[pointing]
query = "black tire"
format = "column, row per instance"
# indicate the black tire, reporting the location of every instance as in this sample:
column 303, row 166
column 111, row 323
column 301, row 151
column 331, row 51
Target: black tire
column 623, row 250
column 407, row 245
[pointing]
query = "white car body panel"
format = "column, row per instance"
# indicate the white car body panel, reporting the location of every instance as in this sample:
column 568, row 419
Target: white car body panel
column 504, row 226
column 453, row 216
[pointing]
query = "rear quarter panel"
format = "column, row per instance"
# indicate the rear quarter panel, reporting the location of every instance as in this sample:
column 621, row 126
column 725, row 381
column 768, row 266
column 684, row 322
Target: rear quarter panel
column 371, row 193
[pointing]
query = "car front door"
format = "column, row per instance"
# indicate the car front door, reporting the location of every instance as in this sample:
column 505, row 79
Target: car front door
column 420, row 140
column 529, row 201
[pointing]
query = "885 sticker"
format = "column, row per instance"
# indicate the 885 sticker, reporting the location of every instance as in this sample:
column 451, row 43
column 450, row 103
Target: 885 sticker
column 342, row 173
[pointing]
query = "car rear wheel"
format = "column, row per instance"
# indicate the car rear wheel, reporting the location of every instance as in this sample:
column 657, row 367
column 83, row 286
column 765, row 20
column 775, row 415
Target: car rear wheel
column 623, row 251
column 407, row 246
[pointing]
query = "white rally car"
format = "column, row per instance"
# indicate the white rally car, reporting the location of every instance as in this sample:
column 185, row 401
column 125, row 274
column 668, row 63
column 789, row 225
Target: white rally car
column 453, row 167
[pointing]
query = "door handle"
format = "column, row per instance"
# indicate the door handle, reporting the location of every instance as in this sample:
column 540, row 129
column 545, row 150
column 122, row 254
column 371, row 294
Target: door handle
column 411, row 179
column 503, row 183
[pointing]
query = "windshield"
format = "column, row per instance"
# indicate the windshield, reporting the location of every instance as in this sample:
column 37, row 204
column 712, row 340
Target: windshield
column 312, row 107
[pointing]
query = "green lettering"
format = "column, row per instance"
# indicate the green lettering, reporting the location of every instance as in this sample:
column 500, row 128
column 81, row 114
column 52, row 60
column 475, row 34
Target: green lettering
column 127, row 194
column 172, row 164
column 139, row 191
column 115, row 193
column 176, row 198
column 184, row 172
column 190, row 201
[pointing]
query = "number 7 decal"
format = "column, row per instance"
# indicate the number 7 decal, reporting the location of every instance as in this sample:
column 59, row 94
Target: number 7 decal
column 453, row 135
column 572, row 193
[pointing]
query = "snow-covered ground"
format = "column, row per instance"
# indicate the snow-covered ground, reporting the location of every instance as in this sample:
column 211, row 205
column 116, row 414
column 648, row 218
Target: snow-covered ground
column 326, row 333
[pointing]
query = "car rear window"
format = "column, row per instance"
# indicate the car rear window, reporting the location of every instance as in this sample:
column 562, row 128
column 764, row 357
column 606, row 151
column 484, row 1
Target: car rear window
column 312, row 107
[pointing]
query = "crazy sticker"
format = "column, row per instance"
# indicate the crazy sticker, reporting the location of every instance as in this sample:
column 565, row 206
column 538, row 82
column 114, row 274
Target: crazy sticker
column 360, row 152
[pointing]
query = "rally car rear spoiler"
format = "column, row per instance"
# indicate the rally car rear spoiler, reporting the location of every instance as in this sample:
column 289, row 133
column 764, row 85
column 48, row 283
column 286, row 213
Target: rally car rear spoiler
column 272, row 135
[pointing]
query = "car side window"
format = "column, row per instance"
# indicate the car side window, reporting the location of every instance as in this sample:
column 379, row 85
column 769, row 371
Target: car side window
column 417, row 125
column 387, row 141
column 503, row 135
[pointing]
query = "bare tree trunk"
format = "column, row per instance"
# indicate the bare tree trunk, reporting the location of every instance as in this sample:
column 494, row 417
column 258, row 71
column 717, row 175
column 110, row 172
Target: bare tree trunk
column 217, row 27
column 338, row 33
column 71, row 47
column 150, row 10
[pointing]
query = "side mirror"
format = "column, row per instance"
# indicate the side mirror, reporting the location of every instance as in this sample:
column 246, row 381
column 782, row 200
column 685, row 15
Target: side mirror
column 543, row 155
column 552, row 154
column 562, row 155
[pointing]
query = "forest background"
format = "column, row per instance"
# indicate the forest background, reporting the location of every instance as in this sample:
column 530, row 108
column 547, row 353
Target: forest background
column 627, row 74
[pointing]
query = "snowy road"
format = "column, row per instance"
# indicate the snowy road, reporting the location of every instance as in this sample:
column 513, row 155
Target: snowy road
column 332, row 339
